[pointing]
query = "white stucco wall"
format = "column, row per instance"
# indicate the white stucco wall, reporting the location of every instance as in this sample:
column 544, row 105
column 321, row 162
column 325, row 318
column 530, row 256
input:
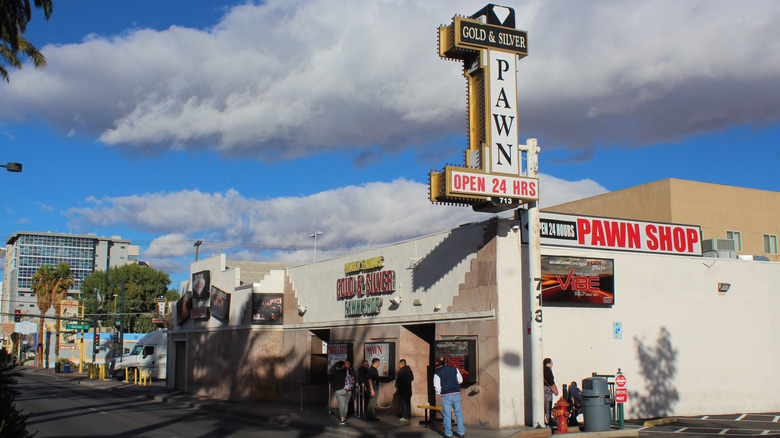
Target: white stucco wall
column 511, row 326
column 429, row 269
column 706, row 352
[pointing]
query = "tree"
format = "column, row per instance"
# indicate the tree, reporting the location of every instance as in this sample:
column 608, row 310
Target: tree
column 62, row 281
column 41, row 282
column 101, row 295
column 14, row 16
column 51, row 287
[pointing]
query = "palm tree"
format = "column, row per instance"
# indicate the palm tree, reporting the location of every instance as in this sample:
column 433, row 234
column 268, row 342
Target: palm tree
column 41, row 285
column 62, row 280
column 51, row 286
column 14, row 16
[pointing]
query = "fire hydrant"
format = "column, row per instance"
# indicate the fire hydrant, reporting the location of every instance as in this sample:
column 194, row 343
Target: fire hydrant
column 561, row 413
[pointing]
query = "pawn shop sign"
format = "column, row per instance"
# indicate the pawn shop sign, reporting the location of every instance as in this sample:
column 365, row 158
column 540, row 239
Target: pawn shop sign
column 489, row 47
column 621, row 392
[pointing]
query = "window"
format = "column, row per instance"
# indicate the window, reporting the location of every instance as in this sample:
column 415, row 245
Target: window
column 770, row 243
column 736, row 236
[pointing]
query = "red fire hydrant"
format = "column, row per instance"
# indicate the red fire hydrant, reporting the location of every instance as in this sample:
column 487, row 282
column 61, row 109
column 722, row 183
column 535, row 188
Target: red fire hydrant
column 562, row 415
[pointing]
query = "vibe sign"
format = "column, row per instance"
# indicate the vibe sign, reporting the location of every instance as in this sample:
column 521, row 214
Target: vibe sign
column 489, row 46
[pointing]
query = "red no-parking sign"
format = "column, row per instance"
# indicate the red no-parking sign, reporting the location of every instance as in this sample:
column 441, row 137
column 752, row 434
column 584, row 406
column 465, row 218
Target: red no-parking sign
column 621, row 392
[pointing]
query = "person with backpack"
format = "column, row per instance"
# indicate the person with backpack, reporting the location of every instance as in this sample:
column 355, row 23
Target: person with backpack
column 339, row 381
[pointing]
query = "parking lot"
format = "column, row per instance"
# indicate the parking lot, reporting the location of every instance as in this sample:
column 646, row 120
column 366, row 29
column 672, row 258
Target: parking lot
column 742, row 425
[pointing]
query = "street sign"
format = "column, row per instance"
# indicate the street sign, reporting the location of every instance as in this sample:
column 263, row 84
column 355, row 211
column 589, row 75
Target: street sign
column 26, row 327
column 621, row 392
column 77, row 326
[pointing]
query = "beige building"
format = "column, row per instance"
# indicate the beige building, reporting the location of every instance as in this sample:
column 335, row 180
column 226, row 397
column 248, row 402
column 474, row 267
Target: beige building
column 748, row 217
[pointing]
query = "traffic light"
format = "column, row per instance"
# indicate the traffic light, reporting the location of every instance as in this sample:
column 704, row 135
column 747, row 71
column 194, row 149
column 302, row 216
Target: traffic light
column 17, row 315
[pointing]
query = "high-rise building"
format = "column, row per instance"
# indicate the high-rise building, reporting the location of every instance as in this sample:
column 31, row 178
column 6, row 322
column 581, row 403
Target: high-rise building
column 28, row 251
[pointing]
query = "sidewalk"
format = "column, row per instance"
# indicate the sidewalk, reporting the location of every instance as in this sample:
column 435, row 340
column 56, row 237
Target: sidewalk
column 311, row 417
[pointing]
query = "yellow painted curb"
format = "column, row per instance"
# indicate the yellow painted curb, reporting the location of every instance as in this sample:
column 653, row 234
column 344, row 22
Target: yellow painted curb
column 660, row 421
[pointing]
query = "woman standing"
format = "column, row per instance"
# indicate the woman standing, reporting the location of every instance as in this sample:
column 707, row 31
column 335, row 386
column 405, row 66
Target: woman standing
column 549, row 390
column 337, row 380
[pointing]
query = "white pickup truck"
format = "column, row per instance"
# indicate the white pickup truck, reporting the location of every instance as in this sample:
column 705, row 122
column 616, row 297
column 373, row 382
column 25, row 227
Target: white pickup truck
column 150, row 353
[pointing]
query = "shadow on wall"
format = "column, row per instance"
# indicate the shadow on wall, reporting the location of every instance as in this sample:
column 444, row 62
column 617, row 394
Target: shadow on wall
column 659, row 366
column 454, row 249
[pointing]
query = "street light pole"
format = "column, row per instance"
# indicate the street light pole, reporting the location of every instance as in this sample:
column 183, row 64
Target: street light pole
column 12, row 167
column 122, row 323
column 314, row 235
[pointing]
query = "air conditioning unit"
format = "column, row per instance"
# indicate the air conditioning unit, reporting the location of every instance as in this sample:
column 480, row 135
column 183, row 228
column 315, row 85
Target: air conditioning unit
column 719, row 248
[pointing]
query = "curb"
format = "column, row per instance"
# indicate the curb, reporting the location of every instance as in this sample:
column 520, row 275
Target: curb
column 660, row 421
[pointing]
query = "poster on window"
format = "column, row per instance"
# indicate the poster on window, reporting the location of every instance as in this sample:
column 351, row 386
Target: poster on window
column 385, row 352
column 201, row 283
column 266, row 308
column 183, row 308
column 337, row 352
column 577, row 281
column 461, row 354
column 220, row 304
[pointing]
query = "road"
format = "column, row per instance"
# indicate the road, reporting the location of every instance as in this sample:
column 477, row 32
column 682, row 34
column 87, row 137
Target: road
column 734, row 425
column 64, row 409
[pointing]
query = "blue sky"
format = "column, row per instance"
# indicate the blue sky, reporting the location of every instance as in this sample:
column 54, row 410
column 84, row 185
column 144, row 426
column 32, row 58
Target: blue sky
column 252, row 125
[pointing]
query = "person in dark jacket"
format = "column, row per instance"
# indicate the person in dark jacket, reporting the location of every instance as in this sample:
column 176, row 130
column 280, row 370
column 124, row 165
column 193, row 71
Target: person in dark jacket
column 403, row 383
column 337, row 379
column 550, row 389
column 373, row 388
column 446, row 382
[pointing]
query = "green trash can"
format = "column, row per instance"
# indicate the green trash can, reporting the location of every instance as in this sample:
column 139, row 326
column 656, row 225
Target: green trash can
column 596, row 404
column 56, row 367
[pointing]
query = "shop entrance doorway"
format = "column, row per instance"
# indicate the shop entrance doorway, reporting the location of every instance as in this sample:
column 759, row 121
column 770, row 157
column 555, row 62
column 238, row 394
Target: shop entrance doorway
column 417, row 348
column 180, row 370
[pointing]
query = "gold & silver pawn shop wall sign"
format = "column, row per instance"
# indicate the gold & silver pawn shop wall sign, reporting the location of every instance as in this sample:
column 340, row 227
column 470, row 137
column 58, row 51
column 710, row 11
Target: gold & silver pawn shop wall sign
column 493, row 179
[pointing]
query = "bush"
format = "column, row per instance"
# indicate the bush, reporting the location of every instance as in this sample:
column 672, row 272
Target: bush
column 13, row 422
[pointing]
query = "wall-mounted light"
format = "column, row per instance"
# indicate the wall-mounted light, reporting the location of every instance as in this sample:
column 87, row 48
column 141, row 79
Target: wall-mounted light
column 437, row 307
column 396, row 300
column 302, row 309
column 724, row 287
column 417, row 302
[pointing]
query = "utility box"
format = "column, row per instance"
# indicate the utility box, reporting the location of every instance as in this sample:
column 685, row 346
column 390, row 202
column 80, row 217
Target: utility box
column 596, row 402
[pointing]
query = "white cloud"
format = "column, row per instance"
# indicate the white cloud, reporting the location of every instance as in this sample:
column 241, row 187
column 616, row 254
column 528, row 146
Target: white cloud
column 284, row 79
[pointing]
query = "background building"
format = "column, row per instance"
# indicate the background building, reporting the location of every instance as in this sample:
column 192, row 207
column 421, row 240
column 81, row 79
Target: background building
column 748, row 217
column 28, row 251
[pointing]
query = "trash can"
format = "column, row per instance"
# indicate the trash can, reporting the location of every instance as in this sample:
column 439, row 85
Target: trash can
column 56, row 367
column 67, row 368
column 595, row 404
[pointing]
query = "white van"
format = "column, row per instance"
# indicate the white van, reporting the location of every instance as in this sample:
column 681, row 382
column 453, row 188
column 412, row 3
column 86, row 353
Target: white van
column 150, row 352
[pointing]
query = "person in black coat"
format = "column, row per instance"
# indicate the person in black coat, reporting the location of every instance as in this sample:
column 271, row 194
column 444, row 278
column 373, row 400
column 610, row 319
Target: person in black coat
column 403, row 383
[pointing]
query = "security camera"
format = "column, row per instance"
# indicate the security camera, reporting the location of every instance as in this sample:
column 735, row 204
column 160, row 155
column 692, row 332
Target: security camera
column 515, row 228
